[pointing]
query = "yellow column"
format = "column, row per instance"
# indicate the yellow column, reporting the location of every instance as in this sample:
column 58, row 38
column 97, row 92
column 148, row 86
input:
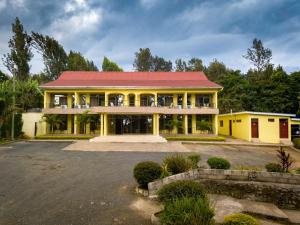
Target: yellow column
column 88, row 102
column 101, row 125
column 215, row 122
column 175, row 130
column 105, row 125
column 155, row 99
column 126, row 100
column 70, row 100
column 184, row 100
column 137, row 100
column 106, row 99
column 194, row 124
column 76, row 98
column 88, row 99
column 215, row 100
column 154, row 124
column 157, row 124
column 185, row 124
column 175, row 99
column 45, row 100
column 76, row 124
column 193, row 100
column 69, row 123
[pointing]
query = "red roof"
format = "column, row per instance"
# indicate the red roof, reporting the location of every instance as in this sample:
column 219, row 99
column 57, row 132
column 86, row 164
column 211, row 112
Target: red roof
column 84, row 79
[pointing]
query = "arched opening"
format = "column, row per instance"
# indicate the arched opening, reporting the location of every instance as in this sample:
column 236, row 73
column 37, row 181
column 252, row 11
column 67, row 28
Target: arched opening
column 116, row 100
column 147, row 100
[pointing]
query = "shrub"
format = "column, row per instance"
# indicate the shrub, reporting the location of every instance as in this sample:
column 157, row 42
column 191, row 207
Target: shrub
column 187, row 211
column 239, row 219
column 194, row 159
column 179, row 189
column 285, row 160
column 145, row 172
column 297, row 170
column 273, row 167
column 252, row 168
column 218, row 163
column 177, row 164
column 296, row 142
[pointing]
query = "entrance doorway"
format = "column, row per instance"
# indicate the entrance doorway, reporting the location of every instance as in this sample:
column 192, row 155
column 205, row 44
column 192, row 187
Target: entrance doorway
column 284, row 128
column 254, row 128
column 230, row 127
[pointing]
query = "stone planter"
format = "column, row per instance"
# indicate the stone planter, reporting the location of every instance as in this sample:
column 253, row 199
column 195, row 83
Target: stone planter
column 142, row 191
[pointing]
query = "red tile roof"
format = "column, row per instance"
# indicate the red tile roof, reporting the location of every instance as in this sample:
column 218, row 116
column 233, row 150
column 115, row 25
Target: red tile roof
column 84, row 79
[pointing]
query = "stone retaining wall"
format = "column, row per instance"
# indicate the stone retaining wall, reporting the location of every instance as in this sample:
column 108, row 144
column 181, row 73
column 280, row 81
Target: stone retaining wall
column 282, row 189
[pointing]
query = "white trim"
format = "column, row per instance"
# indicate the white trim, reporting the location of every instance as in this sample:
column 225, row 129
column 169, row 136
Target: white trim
column 295, row 119
column 259, row 113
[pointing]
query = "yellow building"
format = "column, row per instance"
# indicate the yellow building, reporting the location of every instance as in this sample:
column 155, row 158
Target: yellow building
column 132, row 103
column 257, row 126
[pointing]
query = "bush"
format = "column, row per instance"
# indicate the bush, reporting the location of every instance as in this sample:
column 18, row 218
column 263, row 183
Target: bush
column 251, row 168
column 218, row 163
column 194, row 159
column 187, row 211
column 297, row 170
column 273, row 167
column 179, row 189
column 145, row 172
column 239, row 219
column 296, row 142
column 177, row 164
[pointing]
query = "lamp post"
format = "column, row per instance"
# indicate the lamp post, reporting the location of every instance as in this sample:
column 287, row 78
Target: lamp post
column 13, row 104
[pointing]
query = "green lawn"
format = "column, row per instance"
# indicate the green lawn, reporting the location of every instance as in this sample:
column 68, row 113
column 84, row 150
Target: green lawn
column 194, row 138
column 53, row 137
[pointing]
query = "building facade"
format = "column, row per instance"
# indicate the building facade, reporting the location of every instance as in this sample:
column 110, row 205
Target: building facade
column 109, row 103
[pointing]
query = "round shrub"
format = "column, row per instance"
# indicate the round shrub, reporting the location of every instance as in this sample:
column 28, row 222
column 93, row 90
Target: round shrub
column 218, row 163
column 177, row 164
column 239, row 219
column 187, row 211
column 273, row 167
column 194, row 159
column 145, row 172
column 179, row 189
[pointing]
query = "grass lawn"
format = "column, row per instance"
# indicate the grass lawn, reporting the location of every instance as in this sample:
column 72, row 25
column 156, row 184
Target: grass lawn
column 53, row 137
column 194, row 138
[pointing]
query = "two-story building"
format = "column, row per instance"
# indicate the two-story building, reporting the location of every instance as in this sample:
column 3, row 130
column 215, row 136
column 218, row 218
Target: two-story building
column 132, row 103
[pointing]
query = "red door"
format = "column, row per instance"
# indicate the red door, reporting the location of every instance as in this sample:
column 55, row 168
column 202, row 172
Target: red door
column 230, row 128
column 254, row 128
column 284, row 128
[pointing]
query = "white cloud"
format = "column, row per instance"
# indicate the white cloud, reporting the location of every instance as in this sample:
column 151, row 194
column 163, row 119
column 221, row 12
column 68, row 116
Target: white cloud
column 148, row 3
column 2, row 4
column 18, row 3
column 74, row 5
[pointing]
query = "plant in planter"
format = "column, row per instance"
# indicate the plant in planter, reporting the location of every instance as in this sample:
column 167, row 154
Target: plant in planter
column 218, row 163
column 239, row 219
column 194, row 159
column 177, row 164
column 285, row 160
column 273, row 167
column 204, row 126
column 145, row 172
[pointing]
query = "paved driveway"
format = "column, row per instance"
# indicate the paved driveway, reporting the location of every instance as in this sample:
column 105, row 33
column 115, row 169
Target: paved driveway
column 41, row 184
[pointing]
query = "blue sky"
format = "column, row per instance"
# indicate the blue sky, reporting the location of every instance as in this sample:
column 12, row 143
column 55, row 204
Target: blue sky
column 211, row 29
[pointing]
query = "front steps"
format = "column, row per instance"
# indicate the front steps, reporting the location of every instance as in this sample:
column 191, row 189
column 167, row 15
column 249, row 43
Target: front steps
column 130, row 139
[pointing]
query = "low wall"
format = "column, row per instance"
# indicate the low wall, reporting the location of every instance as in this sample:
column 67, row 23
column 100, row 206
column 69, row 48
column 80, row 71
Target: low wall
column 282, row 189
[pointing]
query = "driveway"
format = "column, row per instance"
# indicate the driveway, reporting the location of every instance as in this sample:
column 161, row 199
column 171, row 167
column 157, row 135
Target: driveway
column 41, row 184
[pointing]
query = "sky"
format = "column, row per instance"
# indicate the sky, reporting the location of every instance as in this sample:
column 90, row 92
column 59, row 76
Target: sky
column 207, row 29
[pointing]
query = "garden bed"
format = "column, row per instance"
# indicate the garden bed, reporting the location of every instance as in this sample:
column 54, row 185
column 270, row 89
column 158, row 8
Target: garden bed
column 55, row 137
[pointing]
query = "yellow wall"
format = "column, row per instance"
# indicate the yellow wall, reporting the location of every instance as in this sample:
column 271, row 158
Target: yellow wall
column 29, row 120
column 295, row 122
column 268, row 131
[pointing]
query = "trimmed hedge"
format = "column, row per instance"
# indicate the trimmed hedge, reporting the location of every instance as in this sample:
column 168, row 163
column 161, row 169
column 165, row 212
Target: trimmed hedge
column 48, row 137
column 177, row 164
column 187, row 211
column 239, row 219
column 179, row 189
column 296, row 142
column 218, row 163
column 193, row 138
column 273, row 167
column 145, row 172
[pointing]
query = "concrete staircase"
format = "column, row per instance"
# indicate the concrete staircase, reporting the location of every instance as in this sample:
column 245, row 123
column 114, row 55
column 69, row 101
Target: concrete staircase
column 130, row 139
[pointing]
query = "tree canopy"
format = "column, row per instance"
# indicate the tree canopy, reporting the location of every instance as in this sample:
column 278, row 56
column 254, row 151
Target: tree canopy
column 76, row 62
column 108, row 65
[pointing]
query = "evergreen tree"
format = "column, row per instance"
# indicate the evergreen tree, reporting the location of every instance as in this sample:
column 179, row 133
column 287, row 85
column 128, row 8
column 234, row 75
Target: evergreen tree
column 180, row 65
column 20, row 52
column 160, row 64
column 195, row 64
column 108, row 65
column 76, row 62
column 143, row 60
column 216, row 70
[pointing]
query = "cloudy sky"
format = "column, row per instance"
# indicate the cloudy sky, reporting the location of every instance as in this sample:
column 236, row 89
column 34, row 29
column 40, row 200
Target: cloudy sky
column 221, row 29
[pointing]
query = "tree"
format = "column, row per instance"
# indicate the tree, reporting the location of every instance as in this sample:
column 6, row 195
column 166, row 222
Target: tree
column 3, row 76
column 195, row 64
column 143, row 60
column 54, row 120
column 180, row 65
column 84, row 119
column 216, row 70
column 76, row 62
column 20, row 52
column 259, row 55
column 160, row 64
column 108, row 65
column 54, row 55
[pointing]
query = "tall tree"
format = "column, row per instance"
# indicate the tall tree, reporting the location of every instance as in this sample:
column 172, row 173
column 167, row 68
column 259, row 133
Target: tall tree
column 216, row 70
column 20, row 52
column 195, row 64
column 180, row 65
column 258, row 55
column 76, row 62
column 54, row 55
column 143, row 60
column 108, row 65
column 160, row 64
column 3, row 76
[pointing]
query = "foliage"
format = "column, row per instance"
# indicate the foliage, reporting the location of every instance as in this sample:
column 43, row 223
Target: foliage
column 54, row 120
column 194, row 138
column 6, row 127
column 108, row 65
column 160, row 64
column 216, row 70
column 180, row 189
column 170, row 124
column 20, row 52
column 251, row 168
column 204, row 125
column 285, row 160
column 297, row 170
column 187, row 211
column 218, row 163
column 273, row 167
column 147, row 171
column 85, row 118
column 239, row 219
column 259, row 55
column 53, row 137
column 76, row 62
column 194, row 158
column 194, row 64
column 3, row 76
column 177, row 164
column 296, row 142
column 54, row 56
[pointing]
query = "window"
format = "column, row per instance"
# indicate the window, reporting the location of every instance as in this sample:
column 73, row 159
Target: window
column 221, row 123
column 271, row 120
column 238, row 121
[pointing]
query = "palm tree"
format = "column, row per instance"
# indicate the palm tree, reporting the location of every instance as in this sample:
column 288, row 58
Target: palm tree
column 85, row 118
column 53, row 120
